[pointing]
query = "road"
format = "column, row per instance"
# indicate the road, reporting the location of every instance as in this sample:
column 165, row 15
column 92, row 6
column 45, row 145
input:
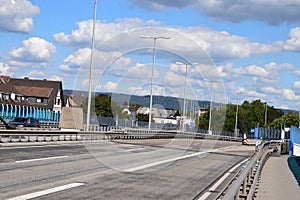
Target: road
column 131, row 169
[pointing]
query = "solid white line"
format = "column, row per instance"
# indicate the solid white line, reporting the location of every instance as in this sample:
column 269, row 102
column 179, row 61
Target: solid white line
column 236, row 166
column 45, row 192
column 218, row 183
column 134, row 149
column 204, row 196
column 133, row 169
column 40, row 159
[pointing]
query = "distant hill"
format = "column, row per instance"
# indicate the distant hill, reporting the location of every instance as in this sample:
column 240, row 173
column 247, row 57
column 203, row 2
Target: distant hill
column 158, row 101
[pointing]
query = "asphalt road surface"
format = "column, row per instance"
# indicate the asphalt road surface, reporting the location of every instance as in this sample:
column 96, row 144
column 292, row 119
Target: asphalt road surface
column 131, row 169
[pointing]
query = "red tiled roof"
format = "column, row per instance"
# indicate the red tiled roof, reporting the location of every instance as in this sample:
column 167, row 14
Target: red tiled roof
column 34, row 91
column 30, row 88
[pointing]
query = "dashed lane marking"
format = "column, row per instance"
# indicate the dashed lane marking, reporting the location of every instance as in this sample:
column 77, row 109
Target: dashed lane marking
column 40, row 159
column 45, row 192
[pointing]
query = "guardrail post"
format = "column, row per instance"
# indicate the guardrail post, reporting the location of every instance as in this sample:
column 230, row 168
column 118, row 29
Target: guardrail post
column 20, row 138
column 0, row 138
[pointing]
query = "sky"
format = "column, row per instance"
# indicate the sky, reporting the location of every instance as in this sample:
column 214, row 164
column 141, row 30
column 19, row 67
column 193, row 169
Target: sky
column 226, row 51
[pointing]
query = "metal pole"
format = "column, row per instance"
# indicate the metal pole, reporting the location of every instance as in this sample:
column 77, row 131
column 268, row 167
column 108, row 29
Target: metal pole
column 236, row 114
column 152, row 71
column 151, row 84
column 184, row 98
column 91, row 66
column 266, row 114
column 211, row 94
column 209, row 121
column 184, row 95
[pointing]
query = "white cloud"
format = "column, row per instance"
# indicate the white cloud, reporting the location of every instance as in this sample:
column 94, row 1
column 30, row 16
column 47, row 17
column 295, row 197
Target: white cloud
column 34, row 49
column 293, row 43
column 270, row 90
column 290, row 95
column 81, row 60
column 103, row 31
column 222, row 45
column 296, row 85
column 219, row 45
column 16, row 15
column 297, row 73
column 37, row 74
column 108, row 87
column 270, row 11
column 256, row 94
column 5, row 69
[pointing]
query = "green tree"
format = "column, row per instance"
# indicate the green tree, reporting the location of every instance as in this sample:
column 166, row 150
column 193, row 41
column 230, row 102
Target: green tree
column 249, row 115
column 143, row 117
column 103, row 105
column 288, row 120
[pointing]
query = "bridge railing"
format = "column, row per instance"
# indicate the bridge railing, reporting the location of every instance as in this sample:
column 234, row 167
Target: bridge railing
column 35, row 134
column 244, row 184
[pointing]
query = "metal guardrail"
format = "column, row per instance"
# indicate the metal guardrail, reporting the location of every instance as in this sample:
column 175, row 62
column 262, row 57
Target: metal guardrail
column 244, row 185
column 26, row 135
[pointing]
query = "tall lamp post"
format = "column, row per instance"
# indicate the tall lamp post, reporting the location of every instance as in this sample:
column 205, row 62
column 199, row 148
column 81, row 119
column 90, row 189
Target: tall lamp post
column 236, row 114
column 211, row 94
column 91, row 66
column 266, row 112
column 153, row 63
column 184, row 93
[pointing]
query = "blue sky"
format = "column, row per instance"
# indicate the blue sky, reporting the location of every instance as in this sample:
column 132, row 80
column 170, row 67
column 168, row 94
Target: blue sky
column 248, row 47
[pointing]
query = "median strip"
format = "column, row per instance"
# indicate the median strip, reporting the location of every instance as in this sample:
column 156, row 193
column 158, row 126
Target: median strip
column 40, row 159
column 48, row 191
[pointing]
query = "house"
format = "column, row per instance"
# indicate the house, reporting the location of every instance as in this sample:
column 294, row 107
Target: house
column 42, row 99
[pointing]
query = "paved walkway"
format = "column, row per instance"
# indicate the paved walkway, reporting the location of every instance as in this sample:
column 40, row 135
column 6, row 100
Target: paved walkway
column 277, row 181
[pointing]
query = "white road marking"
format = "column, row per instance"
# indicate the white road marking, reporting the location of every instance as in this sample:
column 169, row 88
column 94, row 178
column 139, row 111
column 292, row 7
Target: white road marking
column 204, row 196
column 220, row 181
column 133, row 169
column 48, row 191
column 40, row 159
column 141, row 148
column 39, row 146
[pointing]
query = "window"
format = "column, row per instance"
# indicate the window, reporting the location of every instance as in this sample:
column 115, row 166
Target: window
column 38, row 100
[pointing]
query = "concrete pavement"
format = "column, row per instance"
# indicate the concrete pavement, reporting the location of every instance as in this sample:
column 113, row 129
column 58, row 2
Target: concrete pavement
column 277, row 181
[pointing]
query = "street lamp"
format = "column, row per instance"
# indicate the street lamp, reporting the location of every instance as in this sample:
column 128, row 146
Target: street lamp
column 153, row 63
column 236, row 114
column 266, row 112
column 211, row 94
column 184, row 99
column 91, row 66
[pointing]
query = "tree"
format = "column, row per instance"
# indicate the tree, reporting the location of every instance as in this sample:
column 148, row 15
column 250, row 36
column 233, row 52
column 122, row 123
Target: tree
column 249, row 115
column 142, row 117
column 288, row 120
column 103, row 105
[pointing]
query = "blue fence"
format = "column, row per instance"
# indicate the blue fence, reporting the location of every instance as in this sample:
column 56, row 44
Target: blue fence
column 7, row 112
column 294, row 138
column 267, row 134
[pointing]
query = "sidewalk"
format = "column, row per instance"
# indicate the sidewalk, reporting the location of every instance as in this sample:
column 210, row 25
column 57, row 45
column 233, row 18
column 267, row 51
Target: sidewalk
column 277, row 181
